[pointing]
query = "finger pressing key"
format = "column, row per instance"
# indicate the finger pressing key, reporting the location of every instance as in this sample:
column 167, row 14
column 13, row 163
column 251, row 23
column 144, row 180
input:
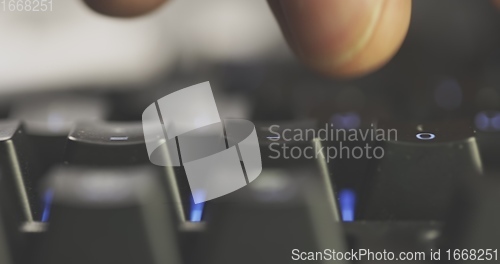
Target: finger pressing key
column 344, row 38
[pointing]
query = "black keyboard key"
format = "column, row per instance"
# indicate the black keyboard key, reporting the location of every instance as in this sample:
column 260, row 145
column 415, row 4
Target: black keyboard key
column 98, row 143
column 283, row 209
column 19, row 171
column 49, row 119
column 109, row 216
column 473, row 218
column 123, row 144
column 421, row 165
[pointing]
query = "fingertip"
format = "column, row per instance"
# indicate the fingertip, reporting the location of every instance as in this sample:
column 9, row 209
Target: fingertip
column 496, row 3
column 124, row 8
column 344, row 38
column 385, row 41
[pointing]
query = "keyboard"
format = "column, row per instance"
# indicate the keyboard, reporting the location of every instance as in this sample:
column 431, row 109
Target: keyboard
column 352, row 173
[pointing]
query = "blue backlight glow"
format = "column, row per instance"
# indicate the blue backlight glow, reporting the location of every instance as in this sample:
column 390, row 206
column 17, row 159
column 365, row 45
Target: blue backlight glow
column 197, row 209
column 347, row 199
column 47, row 201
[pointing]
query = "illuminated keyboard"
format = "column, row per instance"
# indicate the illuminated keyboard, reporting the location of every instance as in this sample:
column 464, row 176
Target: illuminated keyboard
column 77, row 186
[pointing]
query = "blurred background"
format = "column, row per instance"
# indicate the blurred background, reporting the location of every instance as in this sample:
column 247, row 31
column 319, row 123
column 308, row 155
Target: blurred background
column 74, row 46
column 447, row 65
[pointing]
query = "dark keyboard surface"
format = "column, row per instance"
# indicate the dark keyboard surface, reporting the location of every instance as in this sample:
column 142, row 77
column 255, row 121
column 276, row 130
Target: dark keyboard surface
column 77, row 185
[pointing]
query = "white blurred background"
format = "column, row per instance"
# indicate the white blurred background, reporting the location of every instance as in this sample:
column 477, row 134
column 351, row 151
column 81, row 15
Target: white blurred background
column 74, row 47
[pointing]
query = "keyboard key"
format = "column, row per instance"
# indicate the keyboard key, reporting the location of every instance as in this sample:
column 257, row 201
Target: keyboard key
column 49, row 118
column 98, row 143
column 19, row 171
column 282, row 210
column 109, row 216
column 123, row 144
column 419, row 169
column 472, row 222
